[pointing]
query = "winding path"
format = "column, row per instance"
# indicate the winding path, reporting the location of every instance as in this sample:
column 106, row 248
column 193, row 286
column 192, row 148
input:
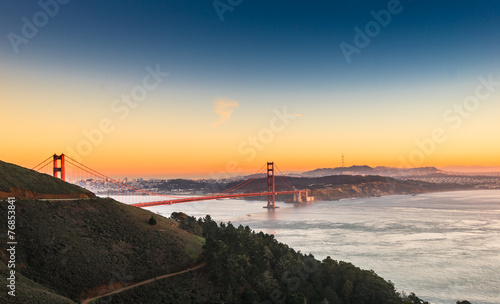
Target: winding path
column 87, row 301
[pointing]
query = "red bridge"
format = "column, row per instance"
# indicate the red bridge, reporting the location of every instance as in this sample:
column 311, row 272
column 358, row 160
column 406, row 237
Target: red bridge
column 79, row 174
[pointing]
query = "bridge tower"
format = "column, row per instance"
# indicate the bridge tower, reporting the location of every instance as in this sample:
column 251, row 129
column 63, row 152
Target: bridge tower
column 59, row 168
column 270, row 187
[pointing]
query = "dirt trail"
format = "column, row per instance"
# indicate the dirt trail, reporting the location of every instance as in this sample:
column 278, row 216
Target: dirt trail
column 87, row 301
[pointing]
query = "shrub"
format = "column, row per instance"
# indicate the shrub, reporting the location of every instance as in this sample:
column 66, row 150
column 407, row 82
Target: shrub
column 152, row 221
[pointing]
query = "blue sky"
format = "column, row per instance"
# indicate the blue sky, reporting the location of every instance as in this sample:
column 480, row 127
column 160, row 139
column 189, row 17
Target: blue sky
column 259, row 41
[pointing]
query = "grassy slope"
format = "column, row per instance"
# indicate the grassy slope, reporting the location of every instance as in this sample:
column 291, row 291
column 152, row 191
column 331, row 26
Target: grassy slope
column 25, row 183
column 80, row 248
column 28, row 292
column 76, row 249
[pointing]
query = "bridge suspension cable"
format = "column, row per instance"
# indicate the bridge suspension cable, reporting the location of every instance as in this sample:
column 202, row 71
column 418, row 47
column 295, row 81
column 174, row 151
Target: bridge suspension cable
column 41, row 165
column 245, row 182
column 114, row 181
column 284, row 179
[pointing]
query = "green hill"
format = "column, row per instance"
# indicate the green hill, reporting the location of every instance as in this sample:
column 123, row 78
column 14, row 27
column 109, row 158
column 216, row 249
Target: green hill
column 80, row 248
column 24, row 183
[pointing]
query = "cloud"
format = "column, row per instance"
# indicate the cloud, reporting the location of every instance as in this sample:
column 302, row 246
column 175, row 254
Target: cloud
column 224, row 108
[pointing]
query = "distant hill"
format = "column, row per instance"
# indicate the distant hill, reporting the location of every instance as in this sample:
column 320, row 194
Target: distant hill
column 470, row 169
column 367, row 170
column 353, row 170
column 23, row 183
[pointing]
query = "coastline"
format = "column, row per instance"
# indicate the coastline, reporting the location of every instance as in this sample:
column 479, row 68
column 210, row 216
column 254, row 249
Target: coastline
column 377, row 190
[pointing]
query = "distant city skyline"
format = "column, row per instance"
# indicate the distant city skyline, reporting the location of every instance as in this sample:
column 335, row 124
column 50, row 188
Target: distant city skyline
column 195, row 89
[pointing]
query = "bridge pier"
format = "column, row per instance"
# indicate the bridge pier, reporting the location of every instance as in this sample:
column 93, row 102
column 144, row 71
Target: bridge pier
column 303, row 196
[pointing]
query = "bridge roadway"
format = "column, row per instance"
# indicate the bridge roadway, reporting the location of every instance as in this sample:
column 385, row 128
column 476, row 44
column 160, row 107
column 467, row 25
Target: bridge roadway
column 212, row 197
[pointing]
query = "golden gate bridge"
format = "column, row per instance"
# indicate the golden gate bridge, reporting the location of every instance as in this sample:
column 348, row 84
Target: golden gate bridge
column 68, row 169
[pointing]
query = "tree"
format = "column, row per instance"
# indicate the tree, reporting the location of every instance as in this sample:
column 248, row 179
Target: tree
column 178, row 216
column 347, row 291
column 152, row 221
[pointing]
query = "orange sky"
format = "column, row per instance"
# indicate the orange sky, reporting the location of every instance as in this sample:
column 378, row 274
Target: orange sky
column 195, row 129
column 175, row 139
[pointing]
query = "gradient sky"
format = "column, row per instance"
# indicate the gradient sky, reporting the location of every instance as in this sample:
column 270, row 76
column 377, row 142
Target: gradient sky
column 226, row 77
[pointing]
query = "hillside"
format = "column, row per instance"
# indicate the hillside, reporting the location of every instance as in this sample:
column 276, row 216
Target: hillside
column 74, row 249
column 79, row 248
column 23, row 183
column 29, row 291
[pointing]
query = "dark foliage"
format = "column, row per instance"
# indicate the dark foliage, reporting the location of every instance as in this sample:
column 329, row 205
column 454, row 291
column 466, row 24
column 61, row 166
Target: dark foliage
column 187, row 223
column 152, row 220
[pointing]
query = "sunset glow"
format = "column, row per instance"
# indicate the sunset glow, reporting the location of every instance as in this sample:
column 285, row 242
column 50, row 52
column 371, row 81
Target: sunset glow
column 263, row 85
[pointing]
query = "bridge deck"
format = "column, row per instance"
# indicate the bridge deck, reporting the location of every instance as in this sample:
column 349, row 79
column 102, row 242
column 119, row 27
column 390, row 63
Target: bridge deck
column 212, row 197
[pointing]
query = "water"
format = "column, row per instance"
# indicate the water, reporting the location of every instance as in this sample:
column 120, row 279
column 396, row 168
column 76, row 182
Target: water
column 444, row 246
